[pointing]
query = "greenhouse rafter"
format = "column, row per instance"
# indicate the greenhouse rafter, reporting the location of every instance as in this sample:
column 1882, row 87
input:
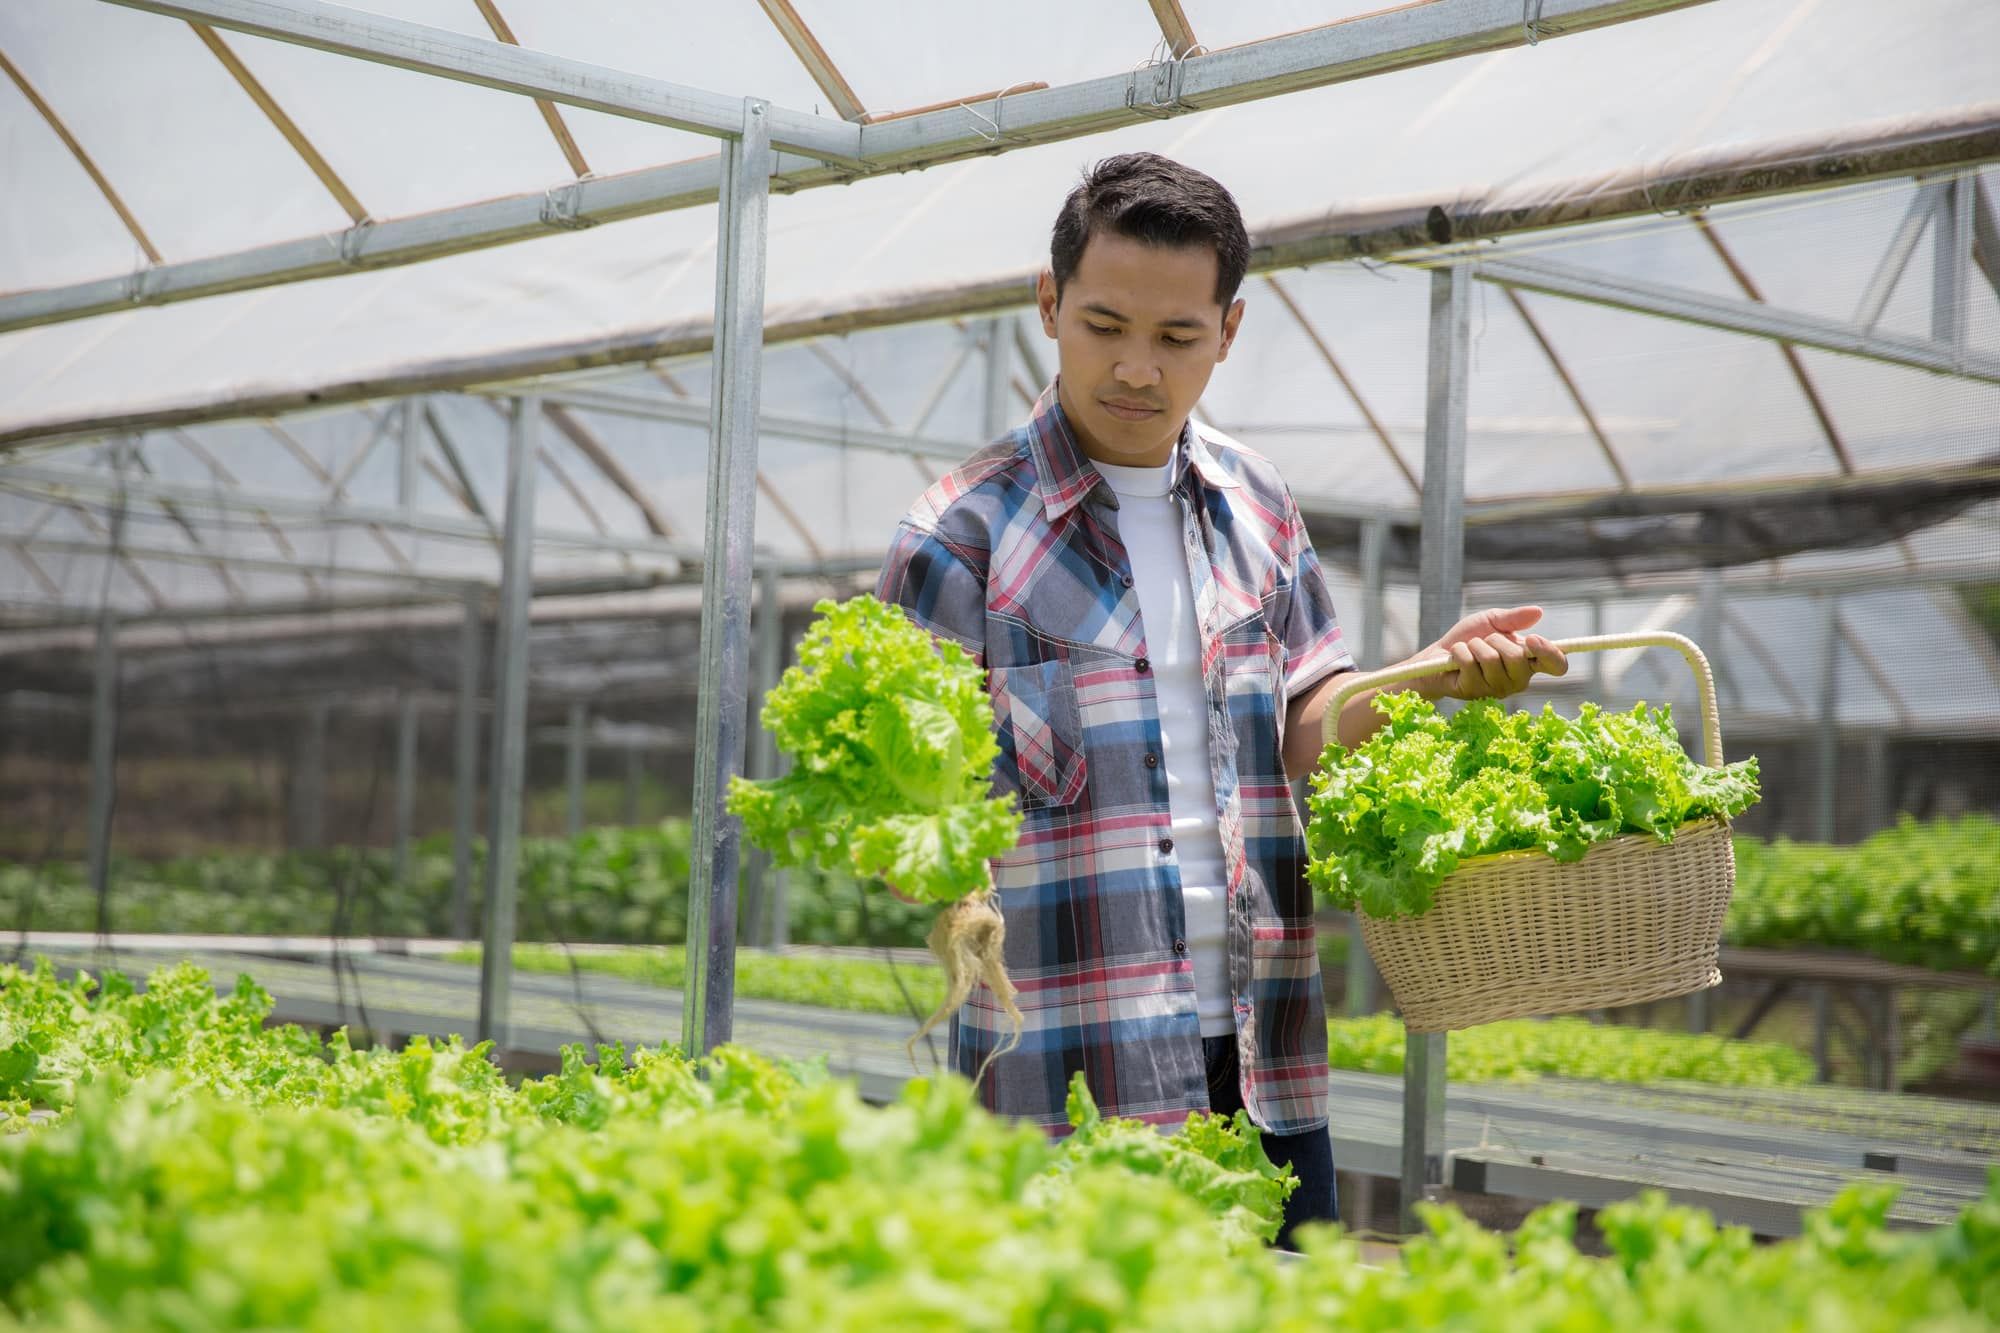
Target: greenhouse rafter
column 501, row 65
column 1554, row 278
column 1367, row 45
column 64, row 484
column 1408, row 230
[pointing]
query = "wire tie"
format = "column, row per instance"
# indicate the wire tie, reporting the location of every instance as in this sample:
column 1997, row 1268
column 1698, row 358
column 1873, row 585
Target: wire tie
column 348, row 247
column 562, row 207
column 1531, row 21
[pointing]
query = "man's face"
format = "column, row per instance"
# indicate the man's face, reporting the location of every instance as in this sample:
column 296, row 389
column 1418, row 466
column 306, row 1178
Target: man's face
column 1138, row 332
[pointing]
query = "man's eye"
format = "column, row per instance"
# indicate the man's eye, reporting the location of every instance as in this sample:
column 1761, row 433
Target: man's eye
column 1179, row 342
column 1100, row 329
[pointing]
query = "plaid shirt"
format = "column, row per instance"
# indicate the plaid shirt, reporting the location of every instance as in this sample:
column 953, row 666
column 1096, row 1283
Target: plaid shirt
column 1016, row 556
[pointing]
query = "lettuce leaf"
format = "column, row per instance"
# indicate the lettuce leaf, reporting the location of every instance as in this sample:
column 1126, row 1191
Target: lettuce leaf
column 890, row 733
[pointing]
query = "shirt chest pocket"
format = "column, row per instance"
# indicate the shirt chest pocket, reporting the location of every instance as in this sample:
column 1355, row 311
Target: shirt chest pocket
column 1040, row 730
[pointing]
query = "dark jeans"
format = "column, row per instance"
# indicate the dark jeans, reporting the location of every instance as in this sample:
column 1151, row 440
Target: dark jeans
column 1310, row 1155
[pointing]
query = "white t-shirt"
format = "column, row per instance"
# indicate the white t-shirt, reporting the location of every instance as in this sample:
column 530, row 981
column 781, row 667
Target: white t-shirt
column 1149, row 523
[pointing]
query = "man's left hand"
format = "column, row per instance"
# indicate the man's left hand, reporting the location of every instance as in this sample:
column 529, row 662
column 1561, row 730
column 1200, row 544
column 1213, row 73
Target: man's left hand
column 1494, row 654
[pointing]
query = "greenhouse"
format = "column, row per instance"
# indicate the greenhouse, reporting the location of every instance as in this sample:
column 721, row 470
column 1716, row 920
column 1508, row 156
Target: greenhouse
column 430, row 431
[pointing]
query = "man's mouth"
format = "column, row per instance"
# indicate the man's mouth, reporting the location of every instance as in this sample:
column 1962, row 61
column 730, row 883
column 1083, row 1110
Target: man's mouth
column 1128, row 411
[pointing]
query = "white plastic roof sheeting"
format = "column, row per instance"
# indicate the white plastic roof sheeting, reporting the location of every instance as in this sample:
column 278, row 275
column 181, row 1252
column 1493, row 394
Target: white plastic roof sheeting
column 204, row 172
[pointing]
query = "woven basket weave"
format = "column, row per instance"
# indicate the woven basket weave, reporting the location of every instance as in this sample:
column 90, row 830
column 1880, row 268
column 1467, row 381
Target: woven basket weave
column 1519, row 933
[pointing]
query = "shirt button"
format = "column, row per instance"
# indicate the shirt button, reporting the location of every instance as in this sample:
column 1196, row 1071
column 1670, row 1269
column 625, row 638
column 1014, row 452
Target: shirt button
column 1152, row 760
column 1180, row 946
column 1143, row 665
column 1166, row 845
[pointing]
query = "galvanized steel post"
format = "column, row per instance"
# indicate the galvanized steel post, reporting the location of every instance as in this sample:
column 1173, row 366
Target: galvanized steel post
column 576, row 762
column 1441, row 579
column 103, row 759
column 762, row 893
column 1827, row 734
column 1951, row 271
column 628, row 813
column 1596, row 660
column 726, row 575
column 993, row 404
column 309, row 779
column 406, row 781
column 510, row 710
column 1361, row 975
column 465, row 768
column 1708, row 631
column 409, row 443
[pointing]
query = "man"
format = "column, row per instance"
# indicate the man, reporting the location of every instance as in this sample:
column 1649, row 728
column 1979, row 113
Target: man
column 1161, row 647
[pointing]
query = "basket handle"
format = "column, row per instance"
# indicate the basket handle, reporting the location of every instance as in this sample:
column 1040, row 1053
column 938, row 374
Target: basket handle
column 1704, row 679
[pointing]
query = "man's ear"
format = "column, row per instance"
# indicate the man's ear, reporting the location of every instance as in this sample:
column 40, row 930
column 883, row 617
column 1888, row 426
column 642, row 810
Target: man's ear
column 1232, row 320
column 1045, row 300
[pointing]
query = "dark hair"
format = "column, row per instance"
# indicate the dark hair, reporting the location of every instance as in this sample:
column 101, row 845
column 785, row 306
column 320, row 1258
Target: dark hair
column 1156, row 200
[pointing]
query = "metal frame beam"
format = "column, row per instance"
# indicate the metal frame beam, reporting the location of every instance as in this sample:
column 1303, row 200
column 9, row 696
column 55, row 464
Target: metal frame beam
column 1747, row 317
column 507, row 68
column 63, row 484
column 1951, row 271
column 256, row 564
column 763, row 895
column 1885, row 149
column 103, row 759
column 576, row 765
column 907, row 444
column 510, row 706
column 459, row 484
column 309, row 775
column 1362, row 977
column 1889, row 271
column 1442, row 582
column 994, row 409
column 1985, row 234
column 231, row 588
column 708, row 1004
column 834, row 151
column 465, row 767
column 625, row 402
column 1752, row 583
column 1826, row 735
column 406, row 783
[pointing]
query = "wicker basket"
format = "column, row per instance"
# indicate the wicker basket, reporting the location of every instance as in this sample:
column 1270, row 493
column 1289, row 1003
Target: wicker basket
column 1518, row 933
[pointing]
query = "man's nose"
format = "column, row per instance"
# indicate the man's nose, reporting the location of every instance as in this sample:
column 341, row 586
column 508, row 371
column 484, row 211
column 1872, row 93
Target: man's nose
column 1137, row 374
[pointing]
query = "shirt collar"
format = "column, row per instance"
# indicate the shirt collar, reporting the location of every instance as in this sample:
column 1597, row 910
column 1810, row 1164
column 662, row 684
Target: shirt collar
column 1066, row 476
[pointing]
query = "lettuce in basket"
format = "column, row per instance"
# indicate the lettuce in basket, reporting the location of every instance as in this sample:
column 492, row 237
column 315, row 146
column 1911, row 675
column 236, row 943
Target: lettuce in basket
column 1395, row 815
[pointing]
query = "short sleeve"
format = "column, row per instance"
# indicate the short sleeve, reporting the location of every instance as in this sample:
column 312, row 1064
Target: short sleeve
column 935, row 588
column 1305, row 619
